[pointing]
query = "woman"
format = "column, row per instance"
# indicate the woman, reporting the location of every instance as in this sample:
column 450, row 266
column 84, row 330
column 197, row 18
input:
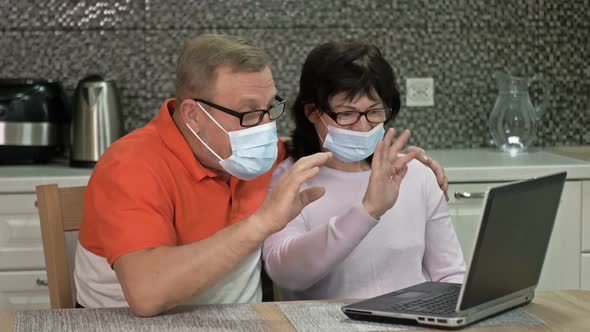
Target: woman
column 383, row 223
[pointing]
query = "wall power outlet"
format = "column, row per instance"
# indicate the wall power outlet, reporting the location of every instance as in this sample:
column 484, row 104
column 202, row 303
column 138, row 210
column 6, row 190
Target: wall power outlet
column 420, row 92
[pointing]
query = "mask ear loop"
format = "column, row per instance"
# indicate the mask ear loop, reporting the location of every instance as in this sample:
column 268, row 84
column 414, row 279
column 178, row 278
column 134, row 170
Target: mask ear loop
column 200, row 139
column 203, row 142
column 316, row 128
column 212, row 119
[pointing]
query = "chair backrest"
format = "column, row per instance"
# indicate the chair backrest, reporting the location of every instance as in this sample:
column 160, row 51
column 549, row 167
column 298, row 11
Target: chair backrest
column 60, row 212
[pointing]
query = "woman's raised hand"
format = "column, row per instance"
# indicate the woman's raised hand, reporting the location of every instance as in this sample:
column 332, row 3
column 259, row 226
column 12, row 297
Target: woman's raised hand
column 388, row 169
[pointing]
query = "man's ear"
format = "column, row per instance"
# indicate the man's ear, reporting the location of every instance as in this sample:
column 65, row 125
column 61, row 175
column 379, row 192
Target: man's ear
column 189, row 113
column 310, row 112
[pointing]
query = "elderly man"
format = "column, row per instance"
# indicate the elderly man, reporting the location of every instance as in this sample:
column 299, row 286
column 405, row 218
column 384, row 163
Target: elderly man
column 176, row 212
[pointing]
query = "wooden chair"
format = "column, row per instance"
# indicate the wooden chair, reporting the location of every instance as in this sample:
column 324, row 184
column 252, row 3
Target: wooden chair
column 60, row 212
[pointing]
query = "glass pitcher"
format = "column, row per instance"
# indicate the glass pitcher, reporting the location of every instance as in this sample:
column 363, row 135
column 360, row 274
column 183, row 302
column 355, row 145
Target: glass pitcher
column 513, row 121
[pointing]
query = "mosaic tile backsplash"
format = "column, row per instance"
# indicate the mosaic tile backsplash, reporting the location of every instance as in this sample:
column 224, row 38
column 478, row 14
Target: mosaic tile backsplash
column 459, row 43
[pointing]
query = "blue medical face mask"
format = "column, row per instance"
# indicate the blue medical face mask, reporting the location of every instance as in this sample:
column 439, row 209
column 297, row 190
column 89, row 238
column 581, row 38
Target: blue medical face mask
column 254, row 150
column 349, row 145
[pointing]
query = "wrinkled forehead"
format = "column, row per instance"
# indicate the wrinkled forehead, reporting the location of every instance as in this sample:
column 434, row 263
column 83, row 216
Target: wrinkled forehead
column 253, row 86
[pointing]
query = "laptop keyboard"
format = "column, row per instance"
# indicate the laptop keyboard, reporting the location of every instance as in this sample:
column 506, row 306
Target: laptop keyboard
column 444, row 303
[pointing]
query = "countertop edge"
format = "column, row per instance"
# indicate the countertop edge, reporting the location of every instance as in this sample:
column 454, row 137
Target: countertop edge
column 28, row 184
column 461, row 166
column 489, row 174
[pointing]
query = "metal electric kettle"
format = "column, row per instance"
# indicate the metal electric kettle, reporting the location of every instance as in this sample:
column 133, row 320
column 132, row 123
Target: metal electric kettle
column 96, row 120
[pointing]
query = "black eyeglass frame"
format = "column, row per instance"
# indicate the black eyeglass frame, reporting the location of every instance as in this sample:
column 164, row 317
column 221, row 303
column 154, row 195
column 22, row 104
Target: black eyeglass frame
column 240, row 115
column 388, row 115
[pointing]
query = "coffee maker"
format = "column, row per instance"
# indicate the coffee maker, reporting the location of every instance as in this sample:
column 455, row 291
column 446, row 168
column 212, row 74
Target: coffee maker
column 96, row 120
column 33, row 120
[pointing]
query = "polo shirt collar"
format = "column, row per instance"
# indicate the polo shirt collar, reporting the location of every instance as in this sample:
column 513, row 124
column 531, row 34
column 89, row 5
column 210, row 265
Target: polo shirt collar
column 177, row 144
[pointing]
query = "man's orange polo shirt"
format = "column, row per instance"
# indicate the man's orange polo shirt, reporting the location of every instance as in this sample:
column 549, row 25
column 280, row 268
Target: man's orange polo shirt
column 148, row 190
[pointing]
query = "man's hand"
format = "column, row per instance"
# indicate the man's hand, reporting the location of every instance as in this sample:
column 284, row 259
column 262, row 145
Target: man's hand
column 438, row 170
column 155, row 280
column 285, row 201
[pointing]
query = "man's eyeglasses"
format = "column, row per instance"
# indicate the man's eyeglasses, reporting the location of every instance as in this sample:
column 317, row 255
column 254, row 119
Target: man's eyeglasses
column 347, row 118
column 252, row 118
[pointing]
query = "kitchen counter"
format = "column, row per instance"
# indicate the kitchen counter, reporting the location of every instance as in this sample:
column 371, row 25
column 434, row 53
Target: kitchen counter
column 461, row 165
column 577, row 152
column 479, row 165
column 24, row 178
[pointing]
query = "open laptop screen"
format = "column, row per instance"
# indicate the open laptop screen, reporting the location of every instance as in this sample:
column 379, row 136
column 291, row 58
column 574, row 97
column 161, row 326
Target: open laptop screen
column 513, row 238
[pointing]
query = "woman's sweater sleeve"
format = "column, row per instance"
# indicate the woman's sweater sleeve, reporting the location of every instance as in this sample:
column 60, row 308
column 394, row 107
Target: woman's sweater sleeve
column 296, row 258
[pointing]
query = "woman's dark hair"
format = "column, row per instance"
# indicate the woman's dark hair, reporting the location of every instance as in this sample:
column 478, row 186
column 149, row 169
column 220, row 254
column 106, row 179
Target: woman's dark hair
column 331, row 68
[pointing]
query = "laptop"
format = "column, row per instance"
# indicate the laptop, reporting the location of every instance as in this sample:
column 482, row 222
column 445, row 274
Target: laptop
column 507, row 260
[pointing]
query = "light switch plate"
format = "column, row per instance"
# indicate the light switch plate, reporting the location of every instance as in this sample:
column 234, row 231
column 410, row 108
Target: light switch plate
column 420, row 92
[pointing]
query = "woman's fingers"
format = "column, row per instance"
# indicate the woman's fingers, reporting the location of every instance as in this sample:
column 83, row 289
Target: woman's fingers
column 378, row 155
column 386, row 154
column 398, row 144
column 398, row 172
column 385, row 145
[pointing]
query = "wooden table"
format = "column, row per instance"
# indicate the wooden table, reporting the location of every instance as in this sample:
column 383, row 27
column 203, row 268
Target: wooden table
column 566, row 310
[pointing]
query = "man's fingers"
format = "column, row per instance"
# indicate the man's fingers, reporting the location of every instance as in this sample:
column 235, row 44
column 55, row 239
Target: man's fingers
column 304, row 169
column 403, row 159
column 412, row 148
column 314, row 160
column 311, row 194
column 422, row 156
column 438, row 171
column 445, row 188
column 304, row 175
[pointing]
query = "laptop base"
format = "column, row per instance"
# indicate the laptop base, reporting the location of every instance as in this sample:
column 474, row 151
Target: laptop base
column 375, row 310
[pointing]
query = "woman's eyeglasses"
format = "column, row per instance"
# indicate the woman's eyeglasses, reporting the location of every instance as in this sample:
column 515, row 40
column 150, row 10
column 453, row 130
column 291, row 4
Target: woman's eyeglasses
column 347, row 118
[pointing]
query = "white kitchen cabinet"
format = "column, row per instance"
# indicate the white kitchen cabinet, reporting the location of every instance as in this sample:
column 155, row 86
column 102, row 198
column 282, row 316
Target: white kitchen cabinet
column 586, row 216
column 585, row 261
column 21, row 290
column 20, row 233
column 562, row 263
column 562, row 269
column 23, row 280
column 585, row 258
column 466, row 213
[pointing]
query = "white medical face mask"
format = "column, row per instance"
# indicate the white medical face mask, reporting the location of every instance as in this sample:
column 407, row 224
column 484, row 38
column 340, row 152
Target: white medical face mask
column 254, row 150
column 349, row 145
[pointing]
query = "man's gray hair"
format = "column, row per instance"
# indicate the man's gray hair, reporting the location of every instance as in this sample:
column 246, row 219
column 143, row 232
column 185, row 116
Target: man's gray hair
column 201, row 56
